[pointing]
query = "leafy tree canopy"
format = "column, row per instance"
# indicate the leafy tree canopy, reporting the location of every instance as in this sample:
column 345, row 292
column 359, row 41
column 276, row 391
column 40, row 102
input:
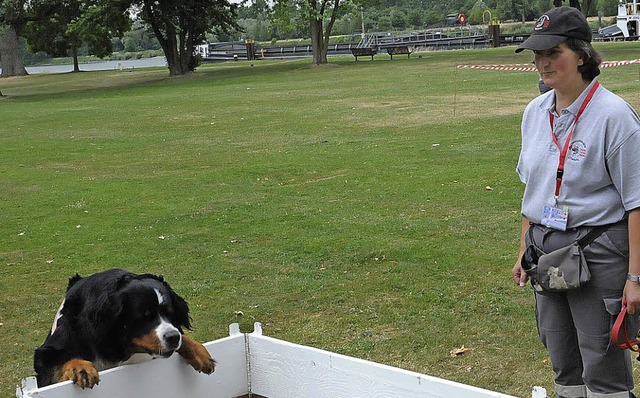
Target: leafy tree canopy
column 180, row 25
column 61, row 27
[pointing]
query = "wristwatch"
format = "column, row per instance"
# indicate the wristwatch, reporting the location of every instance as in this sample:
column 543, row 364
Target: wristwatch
column 633, row 278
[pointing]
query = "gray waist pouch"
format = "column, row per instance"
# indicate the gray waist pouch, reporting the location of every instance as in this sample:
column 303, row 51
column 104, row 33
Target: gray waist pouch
column 562, row 269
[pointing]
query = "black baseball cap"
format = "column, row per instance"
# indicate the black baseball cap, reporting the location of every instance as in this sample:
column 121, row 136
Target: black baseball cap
column 556, row 26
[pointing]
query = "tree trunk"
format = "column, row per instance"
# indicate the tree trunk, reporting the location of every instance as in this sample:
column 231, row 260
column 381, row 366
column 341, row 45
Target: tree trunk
column 172, row 53
column 189, row 50
column 317, row 41
column 74, row 54
column 320, row 36
column 575, row 4
column 12, row 63
column 186, row 52
column 170, row 48
column 173, row 63
column 329, row 28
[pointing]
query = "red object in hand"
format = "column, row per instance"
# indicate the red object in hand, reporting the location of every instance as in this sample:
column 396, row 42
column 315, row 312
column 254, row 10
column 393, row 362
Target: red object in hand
column 620, row 332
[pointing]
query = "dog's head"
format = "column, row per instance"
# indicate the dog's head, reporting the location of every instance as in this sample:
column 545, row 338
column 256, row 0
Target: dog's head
column 152, row 315
column 122, row 313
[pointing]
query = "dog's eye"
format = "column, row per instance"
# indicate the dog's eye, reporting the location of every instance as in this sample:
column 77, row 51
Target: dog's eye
column 147, row 314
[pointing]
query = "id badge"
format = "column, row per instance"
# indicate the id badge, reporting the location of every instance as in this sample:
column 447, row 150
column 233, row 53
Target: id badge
column 555, row 217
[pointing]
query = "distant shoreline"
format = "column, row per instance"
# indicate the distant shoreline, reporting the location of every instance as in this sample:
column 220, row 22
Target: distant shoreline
column 100, row 65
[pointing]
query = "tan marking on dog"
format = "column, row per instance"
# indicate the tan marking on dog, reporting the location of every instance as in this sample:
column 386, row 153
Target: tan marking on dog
column 148, row 344
column 79, row 371
column 196, row 355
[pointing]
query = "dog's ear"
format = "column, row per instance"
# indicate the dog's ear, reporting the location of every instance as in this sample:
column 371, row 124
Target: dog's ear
column 180, row 317
column 73, row 280
column 124, row 280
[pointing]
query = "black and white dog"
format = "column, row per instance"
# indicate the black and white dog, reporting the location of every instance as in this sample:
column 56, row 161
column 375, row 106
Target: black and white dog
column 108, row 317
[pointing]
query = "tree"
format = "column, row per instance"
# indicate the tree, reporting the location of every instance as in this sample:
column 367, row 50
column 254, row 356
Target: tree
column 180, row 25
column 541, row 6
column 585, row 6
column 98, row 24
column 385, row 23
column 414, row 17
column 49, row 32
column 62, row 27
column 10, row 56
column 13, row 16
column 321, row 14
column 320, row 32
column 608, row 7
column 398, row 18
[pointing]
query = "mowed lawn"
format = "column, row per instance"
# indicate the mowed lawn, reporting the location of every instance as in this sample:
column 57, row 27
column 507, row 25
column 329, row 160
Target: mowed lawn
column 369, row 208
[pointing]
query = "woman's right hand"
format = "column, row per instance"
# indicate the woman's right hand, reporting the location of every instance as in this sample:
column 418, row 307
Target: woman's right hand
column 519, row 276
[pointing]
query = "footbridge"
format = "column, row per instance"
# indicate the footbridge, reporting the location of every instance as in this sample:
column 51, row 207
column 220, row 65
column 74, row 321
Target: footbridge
column 379, row 41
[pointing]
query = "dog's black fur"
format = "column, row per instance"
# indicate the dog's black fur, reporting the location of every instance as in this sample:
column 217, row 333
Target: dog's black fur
column 107, row 317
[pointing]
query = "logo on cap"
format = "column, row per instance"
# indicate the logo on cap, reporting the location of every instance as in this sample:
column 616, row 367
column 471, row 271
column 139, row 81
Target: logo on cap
column 542, row 22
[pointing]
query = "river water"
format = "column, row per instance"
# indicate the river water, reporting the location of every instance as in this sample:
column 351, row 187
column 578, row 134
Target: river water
column 102, row 65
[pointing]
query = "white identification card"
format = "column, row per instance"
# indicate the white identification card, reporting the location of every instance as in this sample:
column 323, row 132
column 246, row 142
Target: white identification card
column 555, row 217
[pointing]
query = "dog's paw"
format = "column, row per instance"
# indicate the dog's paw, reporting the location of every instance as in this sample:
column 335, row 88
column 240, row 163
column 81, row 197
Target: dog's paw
column 197, row 356
column 204, row 364
column 81, row 372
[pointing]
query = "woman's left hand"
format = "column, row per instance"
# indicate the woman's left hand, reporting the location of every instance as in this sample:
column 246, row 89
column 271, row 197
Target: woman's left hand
column 631, row 289
column 631, row 297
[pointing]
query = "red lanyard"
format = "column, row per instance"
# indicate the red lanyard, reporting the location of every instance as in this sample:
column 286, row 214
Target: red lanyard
column 565, row 148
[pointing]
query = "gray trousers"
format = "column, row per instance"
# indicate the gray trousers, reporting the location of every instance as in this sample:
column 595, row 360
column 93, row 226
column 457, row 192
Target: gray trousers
column 575, row 326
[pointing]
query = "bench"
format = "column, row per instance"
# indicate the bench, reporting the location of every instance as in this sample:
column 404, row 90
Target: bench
column 364, row 51
column 395, row 50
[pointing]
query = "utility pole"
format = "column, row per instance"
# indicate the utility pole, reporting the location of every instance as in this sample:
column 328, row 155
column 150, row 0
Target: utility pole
column 362, row 21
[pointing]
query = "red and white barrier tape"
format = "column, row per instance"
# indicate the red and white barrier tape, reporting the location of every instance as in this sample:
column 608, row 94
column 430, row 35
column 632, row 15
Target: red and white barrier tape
column 529, row 68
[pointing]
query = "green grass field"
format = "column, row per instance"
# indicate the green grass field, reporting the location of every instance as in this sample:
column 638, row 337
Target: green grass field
column 369, row 208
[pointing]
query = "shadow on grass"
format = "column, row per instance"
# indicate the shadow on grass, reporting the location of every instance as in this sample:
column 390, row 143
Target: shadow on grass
column 90, row 83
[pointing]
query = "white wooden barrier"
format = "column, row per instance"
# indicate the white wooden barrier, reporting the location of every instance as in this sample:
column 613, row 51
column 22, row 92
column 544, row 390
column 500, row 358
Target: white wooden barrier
column 253, row 364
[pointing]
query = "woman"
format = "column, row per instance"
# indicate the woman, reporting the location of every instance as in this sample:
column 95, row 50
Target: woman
column 580, row 165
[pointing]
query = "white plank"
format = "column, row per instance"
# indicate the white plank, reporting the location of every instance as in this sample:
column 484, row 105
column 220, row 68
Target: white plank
column 171, row 377
column 283, row 370
column 277, row 369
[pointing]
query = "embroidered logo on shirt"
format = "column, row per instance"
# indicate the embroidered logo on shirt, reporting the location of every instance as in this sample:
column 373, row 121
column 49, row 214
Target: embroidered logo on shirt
column 577, row 151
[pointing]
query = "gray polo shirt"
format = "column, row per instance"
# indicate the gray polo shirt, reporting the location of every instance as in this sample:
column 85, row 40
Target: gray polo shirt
column 602, row 171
